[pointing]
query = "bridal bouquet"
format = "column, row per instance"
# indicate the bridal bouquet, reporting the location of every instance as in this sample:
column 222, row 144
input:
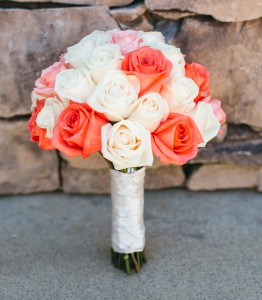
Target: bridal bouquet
column 127, row 95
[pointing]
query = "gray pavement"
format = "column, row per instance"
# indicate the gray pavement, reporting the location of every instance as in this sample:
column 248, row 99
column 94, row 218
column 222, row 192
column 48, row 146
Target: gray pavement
column 200, row 246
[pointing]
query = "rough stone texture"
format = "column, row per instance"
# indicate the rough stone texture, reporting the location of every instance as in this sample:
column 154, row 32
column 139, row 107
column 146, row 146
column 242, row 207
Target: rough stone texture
column 92, row 175
column 198, row 245
column 140, row 23
column 246, row 152
column 128, row 14
column 93, row 162
column 215, row 177
column 85, row 181
column 226, row 10
column 24, row 168
column 164, row 177
column 232, row 52
column 88, row 2
column 242, row 132
column 172, row 14
column 38, row 42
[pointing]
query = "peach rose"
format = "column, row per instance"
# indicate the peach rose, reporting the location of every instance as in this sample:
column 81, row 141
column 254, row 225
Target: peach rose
column 127, row 40
column 44, row 85
column 150, row 66
column 201, row 76
column 176, row 140
column 78, row 130
column 39, row 134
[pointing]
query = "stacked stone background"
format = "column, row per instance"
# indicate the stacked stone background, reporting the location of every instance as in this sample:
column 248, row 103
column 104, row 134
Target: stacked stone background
column 226, row 36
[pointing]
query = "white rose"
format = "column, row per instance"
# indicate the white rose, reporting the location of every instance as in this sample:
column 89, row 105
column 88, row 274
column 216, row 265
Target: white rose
column 49, row 114
column 151, row 37
column 127, row 144
column 34, row 98
column 150, row 111
column 116, row 95
column 104, row 59
column 72, row 85
column 180, row 94
column 175, row 56
column 79, row 54
column 206, row 121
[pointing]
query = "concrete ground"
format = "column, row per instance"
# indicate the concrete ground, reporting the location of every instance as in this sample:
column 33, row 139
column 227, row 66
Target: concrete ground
column 200, row 246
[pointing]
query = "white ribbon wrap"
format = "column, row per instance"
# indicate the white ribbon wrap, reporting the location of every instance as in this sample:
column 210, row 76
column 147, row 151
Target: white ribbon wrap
column 127, row 192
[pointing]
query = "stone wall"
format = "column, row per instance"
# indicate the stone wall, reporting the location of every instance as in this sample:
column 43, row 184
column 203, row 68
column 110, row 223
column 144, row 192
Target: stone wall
column 226, row 36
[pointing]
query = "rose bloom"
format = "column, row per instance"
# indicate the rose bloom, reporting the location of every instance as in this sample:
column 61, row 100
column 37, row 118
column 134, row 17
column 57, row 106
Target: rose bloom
column 206, row 121
column 44, row 85
column 218, row 110
column 176, row 140
column 180, row 94
column 78, row 130
column 49, row 114
column 39, row 134
column 72, row 85
column 127, row 40
column 79, row 54
column 103, row 59
column 201, row 76
column 150, row 111
column 150, row 66
column 116, row 95
column 127, row 144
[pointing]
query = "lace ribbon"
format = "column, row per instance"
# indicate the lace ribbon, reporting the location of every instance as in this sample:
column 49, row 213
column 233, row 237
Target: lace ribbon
column 127, row 193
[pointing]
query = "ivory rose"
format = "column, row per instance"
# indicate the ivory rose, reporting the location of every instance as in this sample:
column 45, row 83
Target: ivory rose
column 34, row 98
column 127, row 40
column 39, row 134
column 175, row 56
column 49, row 114
column 180, row 94
column 151, row 37
column 103, row 59
column 150, row 66
column 176, row 140
column 201, row 76
column 44, row 85
column 127, row 144
column 78, row 130
column 116, row 95
column 150, row 111
column 206, row 121
column 72, row 85
column 79, row 54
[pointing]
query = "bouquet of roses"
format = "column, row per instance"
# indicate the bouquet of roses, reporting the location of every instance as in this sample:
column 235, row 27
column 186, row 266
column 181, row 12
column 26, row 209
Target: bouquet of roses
column 127, row 95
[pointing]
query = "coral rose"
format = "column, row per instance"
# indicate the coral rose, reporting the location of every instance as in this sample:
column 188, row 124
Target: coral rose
column 201, row 76
column 78, row 130
column 44, row 85
column 150, row 66
column 39, row 134
column 176, row 140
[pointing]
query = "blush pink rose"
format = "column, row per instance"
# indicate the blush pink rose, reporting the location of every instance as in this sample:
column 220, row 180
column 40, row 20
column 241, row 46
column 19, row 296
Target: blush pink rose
column 44, row 85
column 217, row 109
column 127, row 40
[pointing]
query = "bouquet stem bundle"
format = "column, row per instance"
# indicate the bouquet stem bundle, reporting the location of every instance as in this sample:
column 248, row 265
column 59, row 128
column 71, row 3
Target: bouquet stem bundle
column 128, row 231
column 128, row 261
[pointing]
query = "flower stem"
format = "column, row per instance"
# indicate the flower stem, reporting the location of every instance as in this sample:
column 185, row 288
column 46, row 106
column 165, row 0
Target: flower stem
column 128, row 261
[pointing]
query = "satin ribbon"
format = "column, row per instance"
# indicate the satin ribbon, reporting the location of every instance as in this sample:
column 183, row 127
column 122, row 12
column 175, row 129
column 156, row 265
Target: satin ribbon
column 127, row 193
